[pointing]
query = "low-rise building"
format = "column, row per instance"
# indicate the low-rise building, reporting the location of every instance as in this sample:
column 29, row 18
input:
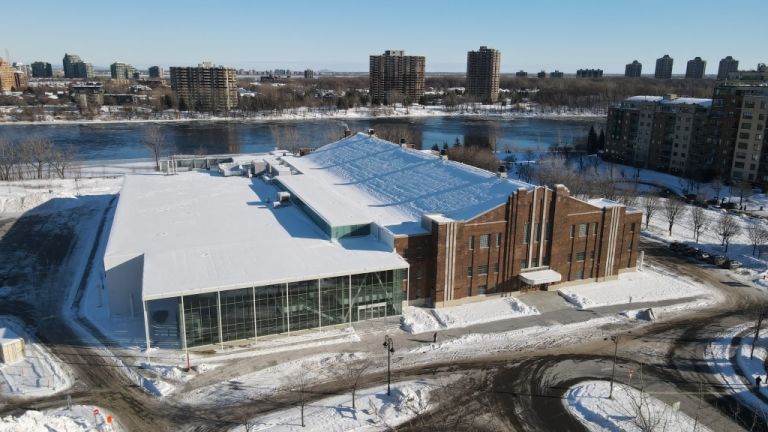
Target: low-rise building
column 11, row 346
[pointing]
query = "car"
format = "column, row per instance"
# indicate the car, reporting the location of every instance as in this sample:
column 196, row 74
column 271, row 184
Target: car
column 718, row 260
column 676, row 246
column 728, row 206
column 702, row 255
column 688, row 250
column 731, row 264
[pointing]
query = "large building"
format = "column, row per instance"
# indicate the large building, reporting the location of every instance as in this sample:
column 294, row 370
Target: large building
column 204, row 88
column 309, row 74
column 7, row 77
column 42, row 70
column 664, row 67
column 589, row 73
column 483, row 74
column 155, row 72
column 695, row 68
column 727, row 65
column 121, row 71
column 354, row 230
column 660, row 133
column 633, row 70
column 396, row 77
column 74, row 67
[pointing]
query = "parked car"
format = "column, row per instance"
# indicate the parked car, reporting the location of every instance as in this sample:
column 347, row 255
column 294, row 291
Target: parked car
column 718, row 260
column 702, row 255
column 676, row 246
column 728, row 206
column 731, row 264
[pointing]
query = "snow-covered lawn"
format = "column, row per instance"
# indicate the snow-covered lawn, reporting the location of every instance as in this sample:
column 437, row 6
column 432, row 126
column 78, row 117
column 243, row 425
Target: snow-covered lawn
column 739, row 377
column 38, row 374
column 648, row 285
column 374, row 410
column 629, row 409
column 420, row 320
column 19, row 196
column 79, row 418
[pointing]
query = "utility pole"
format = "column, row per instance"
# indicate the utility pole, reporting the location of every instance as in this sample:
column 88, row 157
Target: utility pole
column 389, row 345
column 615, row 339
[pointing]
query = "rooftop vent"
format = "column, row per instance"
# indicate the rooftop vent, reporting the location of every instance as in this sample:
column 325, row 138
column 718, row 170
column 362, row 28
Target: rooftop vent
column 371, row 132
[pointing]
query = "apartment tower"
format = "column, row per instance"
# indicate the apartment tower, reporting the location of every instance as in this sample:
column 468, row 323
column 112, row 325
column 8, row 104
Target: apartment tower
column 483, row 74
column 695, row 68
column 727, row 65
column 633, row 70
column 396, row 77
column 664, row 67
column 204, row 88
column 42, row 70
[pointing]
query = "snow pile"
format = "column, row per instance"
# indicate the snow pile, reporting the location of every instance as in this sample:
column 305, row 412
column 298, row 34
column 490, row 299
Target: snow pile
column 79, row 418
column 634, row 287
column 20, row 196
column 38, row 374
column 628, row 410
column 753, row 367
column 375, row 410
column 419, row 320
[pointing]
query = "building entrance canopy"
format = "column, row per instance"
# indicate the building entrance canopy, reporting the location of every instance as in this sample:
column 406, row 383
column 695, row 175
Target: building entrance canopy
column 539, row 277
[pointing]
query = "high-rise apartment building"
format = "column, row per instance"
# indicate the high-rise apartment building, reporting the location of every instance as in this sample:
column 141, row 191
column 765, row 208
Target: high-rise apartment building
column 309, row 74
column 7, row 76
column 695, row 68
column 42, row 70
column 521, row 73
column 204, row 88
column 74, row 67
column 633, row 70
column 589, row 73
column 727, row 65
column 396, row 77
column 155, row 72
column 121, row 71
column 663, row 67
column 556, row 74
column 483, row 74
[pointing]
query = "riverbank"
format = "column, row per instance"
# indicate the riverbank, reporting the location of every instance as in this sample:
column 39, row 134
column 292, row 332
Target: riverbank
column 490, row 112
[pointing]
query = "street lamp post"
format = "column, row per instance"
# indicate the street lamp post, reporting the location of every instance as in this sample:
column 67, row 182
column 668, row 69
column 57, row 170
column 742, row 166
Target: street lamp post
column 389, row 345
column 615, row 339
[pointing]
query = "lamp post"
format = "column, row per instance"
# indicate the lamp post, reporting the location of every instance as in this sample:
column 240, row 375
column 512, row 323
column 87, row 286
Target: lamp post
column 615, row 339
column 389, row 345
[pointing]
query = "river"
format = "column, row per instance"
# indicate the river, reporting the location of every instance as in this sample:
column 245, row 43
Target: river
column 112, row 141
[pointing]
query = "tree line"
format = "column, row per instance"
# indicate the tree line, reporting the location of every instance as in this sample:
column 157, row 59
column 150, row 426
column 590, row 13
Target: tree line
column 34, row 158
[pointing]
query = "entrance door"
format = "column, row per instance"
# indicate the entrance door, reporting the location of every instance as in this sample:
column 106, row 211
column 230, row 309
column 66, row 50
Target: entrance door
column 370, row 311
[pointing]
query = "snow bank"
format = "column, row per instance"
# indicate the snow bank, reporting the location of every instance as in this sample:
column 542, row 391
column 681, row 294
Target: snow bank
column 79, row 418
column 420, row 320
column 588, row 401
column 649, row 285
column 20, row 196
column 375, row 410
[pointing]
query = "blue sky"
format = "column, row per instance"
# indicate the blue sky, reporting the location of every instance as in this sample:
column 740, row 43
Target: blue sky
column 339, row 35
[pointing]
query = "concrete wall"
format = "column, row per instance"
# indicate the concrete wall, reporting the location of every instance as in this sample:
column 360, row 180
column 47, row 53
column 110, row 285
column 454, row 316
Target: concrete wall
column 124, row 277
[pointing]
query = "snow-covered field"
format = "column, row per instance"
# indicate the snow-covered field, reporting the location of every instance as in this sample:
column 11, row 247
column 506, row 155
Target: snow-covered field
column 38, row 374
column 649, row 285
column 374, row 410
column 419, row 320
column 629, row 410
column 19, row 196
column 78, row 418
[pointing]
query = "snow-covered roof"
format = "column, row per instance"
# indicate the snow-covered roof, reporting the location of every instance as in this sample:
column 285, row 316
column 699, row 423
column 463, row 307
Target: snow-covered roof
column 603, row 203
column 201, row 233
column 538, row 277
column 7, row 336
column 676, row 101
column 394, row 186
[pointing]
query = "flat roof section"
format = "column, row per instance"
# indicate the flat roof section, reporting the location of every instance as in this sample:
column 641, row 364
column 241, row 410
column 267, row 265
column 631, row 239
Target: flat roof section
column 335, row 208
column 202, row 233
column 538, row 277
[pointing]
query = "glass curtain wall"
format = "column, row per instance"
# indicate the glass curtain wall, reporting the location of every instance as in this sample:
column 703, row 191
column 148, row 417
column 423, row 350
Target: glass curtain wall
column 237, row 314
column 271, row 310
column 303, row 305
column 163, row 318
column 376, row 294
column 334, row 300
column 201, row 319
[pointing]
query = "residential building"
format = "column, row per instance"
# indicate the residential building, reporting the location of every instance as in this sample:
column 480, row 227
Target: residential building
column 727, row 65
column 204, row 88
column 541, row 74
column 74, row 67
column 323, row 251
column 556, row 74
column 155, row 72
column 521, row 73
column 664, row 67
column 20, row 80
column 483, row 74
column 7, row 77
column 309, row 74
column 42, row 70
column 121, row 71
column 695, row 68
column 658, row 132
column 88, row 96
column 396, row 77
column 633, row 70
column 589, row 73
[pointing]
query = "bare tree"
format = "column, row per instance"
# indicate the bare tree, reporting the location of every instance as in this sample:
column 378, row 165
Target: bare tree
column 673, row 208
column 298, row 385
column 726, row 228
column 350, row 374
column 650, row 205
column 154, row 140
column 36, row 153
column 700, row 220
column 9, row 159
column 61, row 160
column 758, row 236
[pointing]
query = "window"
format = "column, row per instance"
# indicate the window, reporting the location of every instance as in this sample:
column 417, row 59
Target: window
column 594, row 228
column 573, row 231
column 469, row 291
column 632, row 227
column 536, row 232
column 592, row 255
column 526, row 233
column 580, row 256
column 496, row 268
column 469, row 271
column 582, row 230
column 535, row 262
column 545, row 260
column 482, row 270
column 471, row 242
column 569, row 257
column 418, row 274
column 498, row 239
column 746, row 125
column 579, row 274
column 485, row 241
column 523, row 264
column 481, row 289
column 743, row 145
column 744, row 135
column 548, row 233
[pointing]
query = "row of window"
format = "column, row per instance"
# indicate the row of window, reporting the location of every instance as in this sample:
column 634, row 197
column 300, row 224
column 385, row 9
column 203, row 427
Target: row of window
column 482, row 270
column 584, row 229
column 536, row 232
column 485, row 241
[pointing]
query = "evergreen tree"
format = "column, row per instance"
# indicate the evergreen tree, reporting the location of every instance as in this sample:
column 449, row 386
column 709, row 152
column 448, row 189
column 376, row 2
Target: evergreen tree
column 435, row 147
column 592, row 141
column 457, row 143
column 445, row 145
column 601, row 141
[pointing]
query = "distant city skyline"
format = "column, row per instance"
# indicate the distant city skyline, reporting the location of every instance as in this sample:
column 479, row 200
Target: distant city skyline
column 342, row 35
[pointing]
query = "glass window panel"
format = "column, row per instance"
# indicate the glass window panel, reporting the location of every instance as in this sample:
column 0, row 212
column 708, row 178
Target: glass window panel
column 303, row 305
column 271, row 311
column 334, row 300
column 163, row 318
column 237, row 314
column 201, row 319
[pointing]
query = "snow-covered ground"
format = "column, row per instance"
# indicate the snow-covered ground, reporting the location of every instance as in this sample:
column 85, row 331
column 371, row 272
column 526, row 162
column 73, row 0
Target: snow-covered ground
column 419, row 320
column 374, row 410
column 629, row 410
column 648, row 285
column 78, row 418
column 38, row 374
column 17, row 197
